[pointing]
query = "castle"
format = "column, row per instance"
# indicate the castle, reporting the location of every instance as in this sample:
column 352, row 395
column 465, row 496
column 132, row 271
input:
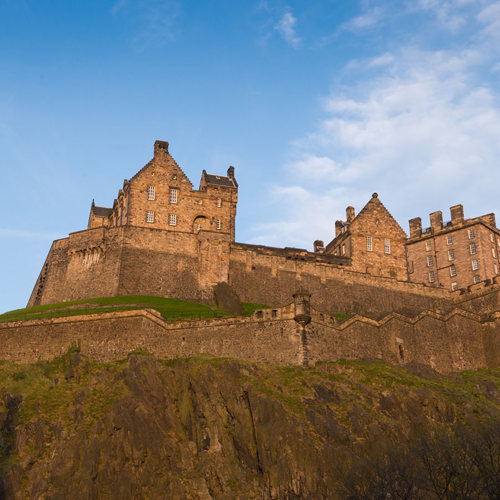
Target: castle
column 163, row 237
column 431, row 298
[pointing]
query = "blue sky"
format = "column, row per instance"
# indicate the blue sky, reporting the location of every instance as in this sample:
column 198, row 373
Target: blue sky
column 316, row 103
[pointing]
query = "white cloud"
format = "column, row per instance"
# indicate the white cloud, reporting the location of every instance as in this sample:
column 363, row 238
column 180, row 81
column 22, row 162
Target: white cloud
column 369, row 18
column 286, row 28
column 423, row 133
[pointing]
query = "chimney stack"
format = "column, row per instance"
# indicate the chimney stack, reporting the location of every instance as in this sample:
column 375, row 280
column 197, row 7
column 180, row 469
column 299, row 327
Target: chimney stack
column 436, row 219
column 230, row 172
column 319, row 246
column 160, row 147
column 338, row 227
column 349, row 213
column 457, row 214
column 415, row 227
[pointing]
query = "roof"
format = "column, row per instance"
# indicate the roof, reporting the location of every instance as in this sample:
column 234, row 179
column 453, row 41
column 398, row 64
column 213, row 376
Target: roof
column 101, row 211
column 219, row 180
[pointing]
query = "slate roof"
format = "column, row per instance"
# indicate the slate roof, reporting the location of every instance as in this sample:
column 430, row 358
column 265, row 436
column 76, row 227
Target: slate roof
column 101, row 211
column 219, row 180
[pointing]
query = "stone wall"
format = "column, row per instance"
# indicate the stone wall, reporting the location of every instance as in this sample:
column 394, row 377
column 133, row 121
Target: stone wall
column 455, row 341
column 270, row 276
column 145, row 261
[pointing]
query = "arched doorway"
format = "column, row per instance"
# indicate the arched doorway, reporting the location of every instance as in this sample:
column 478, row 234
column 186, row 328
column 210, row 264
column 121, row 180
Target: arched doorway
column 200, row 222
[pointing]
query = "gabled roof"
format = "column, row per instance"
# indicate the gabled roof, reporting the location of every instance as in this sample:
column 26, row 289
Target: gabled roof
column 219, row 180
column 101, row 211
column 374, row 201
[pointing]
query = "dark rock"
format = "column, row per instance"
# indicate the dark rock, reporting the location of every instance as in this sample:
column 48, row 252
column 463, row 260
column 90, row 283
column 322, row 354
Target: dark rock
column 227, row 299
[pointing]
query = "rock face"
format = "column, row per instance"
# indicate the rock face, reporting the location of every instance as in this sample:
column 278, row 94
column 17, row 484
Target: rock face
column 217, row 428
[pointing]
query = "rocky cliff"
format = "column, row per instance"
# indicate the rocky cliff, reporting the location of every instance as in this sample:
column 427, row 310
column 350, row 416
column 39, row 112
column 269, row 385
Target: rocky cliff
column 218, row 428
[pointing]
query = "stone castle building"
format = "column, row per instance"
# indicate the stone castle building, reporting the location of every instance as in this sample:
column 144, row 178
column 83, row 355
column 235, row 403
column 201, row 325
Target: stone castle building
column 163, row 237
column 432, row 298
column 455, row 254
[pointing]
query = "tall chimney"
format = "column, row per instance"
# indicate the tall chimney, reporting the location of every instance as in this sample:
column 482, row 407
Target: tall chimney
column 338, row 227
column 415, row 227
column 160, row 147
column 230, row 172
column 436, row 219
column 457, row 214
column 349, row 213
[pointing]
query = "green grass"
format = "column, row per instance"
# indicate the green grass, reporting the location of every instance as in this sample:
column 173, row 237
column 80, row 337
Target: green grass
column 170, row 309
column 250, row 307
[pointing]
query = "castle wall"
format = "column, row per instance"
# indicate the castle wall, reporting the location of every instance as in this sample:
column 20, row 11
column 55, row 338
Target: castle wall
column 86, row 264
column 269, row 276
column 111, row 336
column 447, row 343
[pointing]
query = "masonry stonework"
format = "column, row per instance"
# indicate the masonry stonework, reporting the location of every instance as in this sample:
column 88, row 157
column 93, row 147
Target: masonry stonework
column 164, row 238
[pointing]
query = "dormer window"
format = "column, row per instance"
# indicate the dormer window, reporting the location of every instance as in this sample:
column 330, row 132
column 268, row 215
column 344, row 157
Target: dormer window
column 151, row 193
column 173, row 196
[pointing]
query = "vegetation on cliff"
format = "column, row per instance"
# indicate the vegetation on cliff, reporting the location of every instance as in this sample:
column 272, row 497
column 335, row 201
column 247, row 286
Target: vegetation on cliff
column 221, row 428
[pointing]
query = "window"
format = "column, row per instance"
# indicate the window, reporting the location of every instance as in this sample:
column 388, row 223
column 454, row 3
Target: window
column 218, row 224
column 493, row 252
column 369, row 246
column 430, row 261
column 219, row 202
column 432, row 277
column 475, row 265
column 477, row 278
column 150, row 217
column 387, row 245
column 173, row 197
column 172, row 220
column 498, row 242
column 451, row 254
column 151, row 192
column 471, row 233
column 472, row 248
column 449, row 239
column 492, row 238
column 428, row 245
column 495, row 268
column 343, row 249
column 453, row 270
column 197, row 226
column 454, row 286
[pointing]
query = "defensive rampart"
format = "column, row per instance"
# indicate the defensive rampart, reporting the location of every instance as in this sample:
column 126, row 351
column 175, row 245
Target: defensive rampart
column 448, row 342
column 143, row 261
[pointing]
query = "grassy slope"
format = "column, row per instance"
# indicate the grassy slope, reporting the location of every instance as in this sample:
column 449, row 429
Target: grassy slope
column 170, row 309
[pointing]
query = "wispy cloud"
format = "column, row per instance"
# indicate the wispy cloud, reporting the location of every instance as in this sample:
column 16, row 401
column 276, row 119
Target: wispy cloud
column 154, row 19
column 418, row 126
column 286, row 28
column 370, row 17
